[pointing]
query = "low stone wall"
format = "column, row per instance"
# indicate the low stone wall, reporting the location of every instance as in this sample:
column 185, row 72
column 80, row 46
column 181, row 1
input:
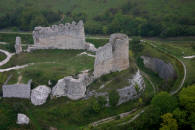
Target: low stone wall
column 17, row 90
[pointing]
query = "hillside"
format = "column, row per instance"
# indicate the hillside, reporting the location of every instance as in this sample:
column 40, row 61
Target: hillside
column 134, row 17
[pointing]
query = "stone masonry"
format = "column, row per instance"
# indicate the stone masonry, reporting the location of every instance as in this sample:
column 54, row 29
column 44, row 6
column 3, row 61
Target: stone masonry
column 112, row 57
column 68, row 36
column 17, row 90
column 18, row 46
column 73, row 88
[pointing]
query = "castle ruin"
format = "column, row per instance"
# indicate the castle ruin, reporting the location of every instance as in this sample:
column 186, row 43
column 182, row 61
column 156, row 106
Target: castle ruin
column 112, row 57
column 68, row 36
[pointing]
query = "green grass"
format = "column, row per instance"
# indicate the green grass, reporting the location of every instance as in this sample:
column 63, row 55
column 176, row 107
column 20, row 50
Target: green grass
column 49, row 65
column 97, row 42
column 2, row 56
column 11, row 38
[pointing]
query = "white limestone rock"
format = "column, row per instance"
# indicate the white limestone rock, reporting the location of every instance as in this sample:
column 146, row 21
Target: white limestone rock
column 165, row 70
column 39, row 95
column 22, row 119
column 91, row 47
column 133, row 90
column 18, row 46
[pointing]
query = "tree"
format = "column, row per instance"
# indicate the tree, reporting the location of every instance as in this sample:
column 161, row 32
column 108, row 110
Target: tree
column 187, row 98
column 113, row 98
column 169, row 123
column 165, row 102
column 136, row 44
column 147, row 120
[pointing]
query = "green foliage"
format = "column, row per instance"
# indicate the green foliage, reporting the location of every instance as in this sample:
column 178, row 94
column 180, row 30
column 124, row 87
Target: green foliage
column 141, row 18
column 181, row 116
column 169, row 123
column 113, row 98
column 147, row 120
column 187, row 98
column 165, row 102
column 136, row 44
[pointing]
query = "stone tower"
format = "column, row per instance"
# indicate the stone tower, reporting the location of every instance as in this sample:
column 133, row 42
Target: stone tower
column 112, row 57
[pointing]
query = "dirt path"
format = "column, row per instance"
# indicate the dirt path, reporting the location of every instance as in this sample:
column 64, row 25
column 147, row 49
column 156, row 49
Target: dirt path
column 122, row 115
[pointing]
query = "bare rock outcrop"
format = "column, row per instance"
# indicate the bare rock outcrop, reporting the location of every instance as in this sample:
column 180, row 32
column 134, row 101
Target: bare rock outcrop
column 39, row 95
column 18, row 46
column 73, row 88
column 22, row 119
column 112, row 57
column 133, row 90
column 17, row 90
column 164, row 70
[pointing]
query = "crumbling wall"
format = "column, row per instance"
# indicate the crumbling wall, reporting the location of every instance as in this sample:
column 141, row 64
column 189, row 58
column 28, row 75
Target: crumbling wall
column 68, row 36
column 112, row 57
column 18, row 46
column 103, row 60
column 17, row 90
column 73, row 88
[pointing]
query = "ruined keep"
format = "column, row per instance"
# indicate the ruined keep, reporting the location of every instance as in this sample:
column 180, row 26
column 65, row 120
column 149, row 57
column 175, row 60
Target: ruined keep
column 18, row 46
column 112, row 57
column 17, row 90
column 68, row 36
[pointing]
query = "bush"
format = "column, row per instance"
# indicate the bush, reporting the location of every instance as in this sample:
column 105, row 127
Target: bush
column 113, row 98
column 165, row 102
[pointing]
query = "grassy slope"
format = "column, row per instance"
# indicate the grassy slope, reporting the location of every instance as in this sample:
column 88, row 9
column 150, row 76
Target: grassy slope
column 181, row 48
column 150, row 51
column 2, row 56
column 92, row 8
column 50, row 65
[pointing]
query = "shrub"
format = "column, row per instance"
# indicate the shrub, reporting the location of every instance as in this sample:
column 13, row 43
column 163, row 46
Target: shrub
column 113, row 98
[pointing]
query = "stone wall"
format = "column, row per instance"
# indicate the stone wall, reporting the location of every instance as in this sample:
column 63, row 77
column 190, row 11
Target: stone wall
column 17, row 90
column 73, row 88
column 68, row 36
column 112, row 57
column 18, row 46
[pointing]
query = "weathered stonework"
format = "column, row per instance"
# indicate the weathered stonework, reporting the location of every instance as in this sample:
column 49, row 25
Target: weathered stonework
column 112, row 57
column 22, row 119
column 39, row 95
column 68, row 36
column 73, row 88
column 17, row 90
column 18, row 46
column 165, row 70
